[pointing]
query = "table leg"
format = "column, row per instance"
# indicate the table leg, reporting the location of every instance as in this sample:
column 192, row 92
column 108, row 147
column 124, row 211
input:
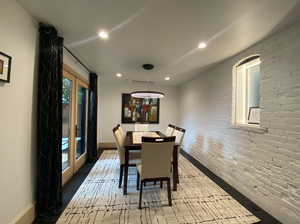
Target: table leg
column 126, row 172
column 175, row 168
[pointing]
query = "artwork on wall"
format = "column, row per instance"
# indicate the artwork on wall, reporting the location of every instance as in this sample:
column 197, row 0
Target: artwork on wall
column 5, row 64
column 254, row 115
column 139, row 110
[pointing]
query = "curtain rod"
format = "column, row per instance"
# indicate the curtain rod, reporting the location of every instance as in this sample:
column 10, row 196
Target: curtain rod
column 78, row 60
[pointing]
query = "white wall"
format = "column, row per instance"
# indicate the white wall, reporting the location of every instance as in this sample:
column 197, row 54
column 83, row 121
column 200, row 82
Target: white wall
column 18, row 38
column 263, row 166
column 110, row 107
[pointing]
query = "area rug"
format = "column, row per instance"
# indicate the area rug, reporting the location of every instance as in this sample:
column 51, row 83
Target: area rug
column 197, row 199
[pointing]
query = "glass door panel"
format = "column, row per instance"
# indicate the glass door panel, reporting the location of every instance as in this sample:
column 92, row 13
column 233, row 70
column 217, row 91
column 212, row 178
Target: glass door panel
column 81, row 120
column 74, row 125
column 66, row 122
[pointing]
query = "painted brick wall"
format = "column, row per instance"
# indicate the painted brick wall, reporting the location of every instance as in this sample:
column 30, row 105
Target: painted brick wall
column 263, row 166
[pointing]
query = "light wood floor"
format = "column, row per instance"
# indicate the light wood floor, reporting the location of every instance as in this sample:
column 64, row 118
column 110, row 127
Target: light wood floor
column 197, row 200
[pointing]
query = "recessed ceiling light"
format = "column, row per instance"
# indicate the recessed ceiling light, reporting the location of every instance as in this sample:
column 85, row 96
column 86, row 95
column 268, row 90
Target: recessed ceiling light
column 119, row 75
column 103, row 34
column 167, row 78
column 202, row 45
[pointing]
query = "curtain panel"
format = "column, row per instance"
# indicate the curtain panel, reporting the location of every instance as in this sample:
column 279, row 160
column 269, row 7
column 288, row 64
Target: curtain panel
column 92, row 119
column 49, row 156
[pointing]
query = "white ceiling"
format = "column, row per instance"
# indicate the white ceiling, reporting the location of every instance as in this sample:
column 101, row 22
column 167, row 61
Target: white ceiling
column 163, row 32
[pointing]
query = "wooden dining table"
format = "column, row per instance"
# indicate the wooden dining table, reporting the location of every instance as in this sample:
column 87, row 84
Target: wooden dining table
column 133, row 143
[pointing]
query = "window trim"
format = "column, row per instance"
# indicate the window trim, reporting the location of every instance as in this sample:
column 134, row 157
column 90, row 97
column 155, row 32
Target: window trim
column 241, row 62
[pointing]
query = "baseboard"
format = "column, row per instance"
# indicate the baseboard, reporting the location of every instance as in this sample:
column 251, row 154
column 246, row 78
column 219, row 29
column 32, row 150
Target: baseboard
column 265, row 217
column 106, row 145
column 27, row 216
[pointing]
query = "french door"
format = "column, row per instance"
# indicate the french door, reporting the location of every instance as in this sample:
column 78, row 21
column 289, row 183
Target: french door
column 74, row 128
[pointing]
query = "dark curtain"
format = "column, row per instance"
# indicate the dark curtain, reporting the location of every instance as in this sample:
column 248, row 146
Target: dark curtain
column 92, row 119
column 49, row 136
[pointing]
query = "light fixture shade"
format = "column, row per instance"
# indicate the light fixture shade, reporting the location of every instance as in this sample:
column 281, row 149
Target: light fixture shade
column 147, row 94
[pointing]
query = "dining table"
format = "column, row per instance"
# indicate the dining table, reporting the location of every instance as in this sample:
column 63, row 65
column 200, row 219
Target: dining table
column 133, row 141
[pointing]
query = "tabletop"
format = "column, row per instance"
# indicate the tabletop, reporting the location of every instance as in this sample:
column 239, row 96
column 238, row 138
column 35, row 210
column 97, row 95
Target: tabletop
column 134, row 138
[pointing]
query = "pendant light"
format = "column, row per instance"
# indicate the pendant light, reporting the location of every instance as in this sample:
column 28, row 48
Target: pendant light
column 147, row 93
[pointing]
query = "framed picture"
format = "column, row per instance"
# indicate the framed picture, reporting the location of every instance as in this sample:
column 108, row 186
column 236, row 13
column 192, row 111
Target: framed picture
column 254, row 115
column 5, row 66
column 138, row 110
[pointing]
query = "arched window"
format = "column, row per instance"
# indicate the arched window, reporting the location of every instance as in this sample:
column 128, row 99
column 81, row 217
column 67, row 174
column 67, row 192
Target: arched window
column 246, row 91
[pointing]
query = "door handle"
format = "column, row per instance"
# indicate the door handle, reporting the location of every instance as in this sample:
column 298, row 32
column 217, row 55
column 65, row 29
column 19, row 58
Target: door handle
column 76, row 130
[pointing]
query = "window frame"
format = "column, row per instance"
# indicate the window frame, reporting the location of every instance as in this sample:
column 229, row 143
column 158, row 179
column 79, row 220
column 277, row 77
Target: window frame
column 248, row 62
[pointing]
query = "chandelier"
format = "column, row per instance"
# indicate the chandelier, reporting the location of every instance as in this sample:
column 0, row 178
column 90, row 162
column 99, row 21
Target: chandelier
column 147, row 93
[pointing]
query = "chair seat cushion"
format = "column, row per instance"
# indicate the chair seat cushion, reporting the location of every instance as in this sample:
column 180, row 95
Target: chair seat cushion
column 139, row 169
column 134, row 157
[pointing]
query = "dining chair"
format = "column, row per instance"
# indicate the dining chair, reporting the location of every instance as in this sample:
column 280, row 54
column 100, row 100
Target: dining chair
column 134, row 157
column 141, row 127
column 179, row 134
column 170, row 130
column 123, row 133
column 154, row 167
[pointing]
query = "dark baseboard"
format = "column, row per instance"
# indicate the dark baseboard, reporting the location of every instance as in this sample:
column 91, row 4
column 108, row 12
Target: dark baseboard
column 265, row 217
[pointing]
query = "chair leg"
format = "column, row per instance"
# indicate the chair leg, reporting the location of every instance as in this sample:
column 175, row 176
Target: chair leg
column 121, row 175
column 137, row 180
column 177, row 173
column 141, row 193
column 161, row 184
column 169, row 192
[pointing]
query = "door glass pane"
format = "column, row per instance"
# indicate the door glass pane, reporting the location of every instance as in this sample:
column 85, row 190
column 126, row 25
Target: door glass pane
column 66, row 124
column 81, row 121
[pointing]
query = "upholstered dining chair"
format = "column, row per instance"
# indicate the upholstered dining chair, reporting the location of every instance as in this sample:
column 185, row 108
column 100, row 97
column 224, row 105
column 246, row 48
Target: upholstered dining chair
column 170, row 130
column 153, row 167
column 123, row 133
column 179, row 134
column 134, row 157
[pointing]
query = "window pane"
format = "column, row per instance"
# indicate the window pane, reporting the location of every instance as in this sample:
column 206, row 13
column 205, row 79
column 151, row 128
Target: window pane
column 66, row 122
column 253, row 86
column 81, row 121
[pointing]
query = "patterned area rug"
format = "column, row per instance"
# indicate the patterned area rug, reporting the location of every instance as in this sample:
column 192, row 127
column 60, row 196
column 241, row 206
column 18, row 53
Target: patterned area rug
column 197, row 200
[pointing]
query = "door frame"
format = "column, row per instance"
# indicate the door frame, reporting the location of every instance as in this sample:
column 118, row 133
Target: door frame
column 74, row 164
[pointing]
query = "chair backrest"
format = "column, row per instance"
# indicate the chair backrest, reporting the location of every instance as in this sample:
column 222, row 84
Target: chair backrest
column 170, row 130
column 120, row 143
column 123, row 133
column 157, row 156
column 141, row 127
column 179, row 134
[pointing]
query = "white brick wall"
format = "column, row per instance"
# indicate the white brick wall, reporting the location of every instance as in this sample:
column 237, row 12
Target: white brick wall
column 264, row 167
